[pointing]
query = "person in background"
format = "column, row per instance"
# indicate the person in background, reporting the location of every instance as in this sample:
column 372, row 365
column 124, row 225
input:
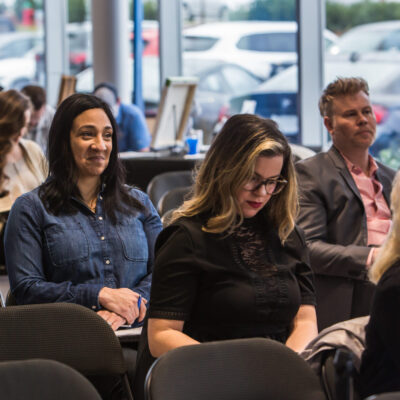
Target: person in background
column 83, row 236
column 232, row 264
column 41, row 117
column 133, row 133
column 344, row 203
column 22, row 162
column 380, row 363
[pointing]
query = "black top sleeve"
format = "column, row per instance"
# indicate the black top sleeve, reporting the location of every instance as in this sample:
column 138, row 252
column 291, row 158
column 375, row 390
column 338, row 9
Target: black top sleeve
column 175, row 276
column 296, row 244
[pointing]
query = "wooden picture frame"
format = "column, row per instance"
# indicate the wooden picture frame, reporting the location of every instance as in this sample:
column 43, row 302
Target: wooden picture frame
column 67, row 87
column 173, row 111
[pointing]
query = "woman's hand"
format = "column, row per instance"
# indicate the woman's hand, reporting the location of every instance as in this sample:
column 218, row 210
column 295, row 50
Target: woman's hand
column 114, row 320
column 123, row 302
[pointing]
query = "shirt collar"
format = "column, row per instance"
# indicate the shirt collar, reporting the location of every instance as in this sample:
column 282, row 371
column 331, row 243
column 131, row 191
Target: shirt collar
column 372, row 165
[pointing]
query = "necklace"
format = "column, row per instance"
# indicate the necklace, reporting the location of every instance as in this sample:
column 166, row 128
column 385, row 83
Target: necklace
column 92, row 204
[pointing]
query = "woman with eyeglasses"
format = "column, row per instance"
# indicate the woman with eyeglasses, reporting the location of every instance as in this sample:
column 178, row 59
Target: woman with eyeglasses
column 232, row 263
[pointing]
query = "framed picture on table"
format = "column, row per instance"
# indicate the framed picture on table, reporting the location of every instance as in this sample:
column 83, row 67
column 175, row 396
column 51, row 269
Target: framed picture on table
column 67, row 87
column 173, row 112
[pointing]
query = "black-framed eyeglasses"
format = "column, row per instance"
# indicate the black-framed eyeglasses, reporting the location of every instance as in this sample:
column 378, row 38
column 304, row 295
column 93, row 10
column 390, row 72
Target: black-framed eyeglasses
column 272, row 186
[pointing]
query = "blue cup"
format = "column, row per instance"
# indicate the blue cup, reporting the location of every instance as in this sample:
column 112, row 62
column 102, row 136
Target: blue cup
column 193, row 145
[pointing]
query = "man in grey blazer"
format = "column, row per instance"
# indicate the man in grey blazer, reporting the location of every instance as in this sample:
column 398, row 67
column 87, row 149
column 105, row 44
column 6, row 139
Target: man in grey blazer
column 344, row 203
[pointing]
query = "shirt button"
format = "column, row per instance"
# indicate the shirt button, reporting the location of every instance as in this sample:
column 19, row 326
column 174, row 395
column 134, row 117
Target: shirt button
column 102, row 238
column 100, row 218
column 108, row 262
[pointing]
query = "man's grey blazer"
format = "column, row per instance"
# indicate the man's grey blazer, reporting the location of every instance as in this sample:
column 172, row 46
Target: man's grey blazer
column 333, row 218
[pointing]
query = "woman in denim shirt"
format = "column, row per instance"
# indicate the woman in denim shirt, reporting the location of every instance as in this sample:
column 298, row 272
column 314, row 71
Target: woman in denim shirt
column 83, row 236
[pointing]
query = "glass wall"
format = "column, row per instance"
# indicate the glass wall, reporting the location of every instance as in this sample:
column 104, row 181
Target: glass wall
column 237, row 49
column 369, row 46
column 151, row 54
column 79, row 36
column 80, row 50
column 21, row 43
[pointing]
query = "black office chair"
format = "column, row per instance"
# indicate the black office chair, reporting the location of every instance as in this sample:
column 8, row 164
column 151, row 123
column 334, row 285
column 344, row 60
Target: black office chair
column 172, row 199
column 65, row 332
column 166, row 181
column 251, row 369
column 43, row 380
column 10, row 299
column 3, row 222
column 339, row 376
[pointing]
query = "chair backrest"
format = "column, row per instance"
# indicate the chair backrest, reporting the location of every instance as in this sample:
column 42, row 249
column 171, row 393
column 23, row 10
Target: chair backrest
column 251, row 369
column 43, row 380
column 339, row 381
column 65, row 332
column 172, row 199
column 161, row 183
column 10, row 299
column 385, row 396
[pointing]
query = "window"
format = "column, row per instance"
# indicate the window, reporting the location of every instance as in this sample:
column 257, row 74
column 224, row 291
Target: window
column 21, row 44
column 240, row 80
column 392, row 41
column 277, row 42
column 231, row 54
column 196, row 43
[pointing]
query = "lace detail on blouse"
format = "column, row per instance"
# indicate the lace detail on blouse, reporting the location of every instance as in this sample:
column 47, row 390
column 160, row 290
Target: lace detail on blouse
column 251, row 242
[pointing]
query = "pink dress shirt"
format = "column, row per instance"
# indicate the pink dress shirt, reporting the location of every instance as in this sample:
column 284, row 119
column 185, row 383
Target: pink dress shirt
column 376, row 209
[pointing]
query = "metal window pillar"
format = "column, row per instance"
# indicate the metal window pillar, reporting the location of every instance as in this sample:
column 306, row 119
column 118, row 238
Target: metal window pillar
column 56, row 48
column 311, row 47
column 111, row 44
column 170, row 39
column 138, row 52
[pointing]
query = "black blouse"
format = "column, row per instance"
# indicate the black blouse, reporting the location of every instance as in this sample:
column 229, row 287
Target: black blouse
column 224, row 287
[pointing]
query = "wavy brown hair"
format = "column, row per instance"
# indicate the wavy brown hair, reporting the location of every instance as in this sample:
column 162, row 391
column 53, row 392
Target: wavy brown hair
column 13, row 105
column 229, row 163
column 339, row 88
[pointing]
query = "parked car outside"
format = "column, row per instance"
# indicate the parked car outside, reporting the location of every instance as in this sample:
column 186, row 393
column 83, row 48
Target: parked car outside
column 262, row 47
column 367, row 38
column 277, row 97
column 151, row 80
column 18, row 58
column 216, row 85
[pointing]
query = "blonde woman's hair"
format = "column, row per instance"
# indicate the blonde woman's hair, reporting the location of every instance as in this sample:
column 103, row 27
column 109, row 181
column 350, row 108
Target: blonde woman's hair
column 229, row 164
column 338, row 88
column 390, row 251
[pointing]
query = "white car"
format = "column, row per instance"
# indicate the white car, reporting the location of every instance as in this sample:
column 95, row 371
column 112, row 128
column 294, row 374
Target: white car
column 18, row 58
column 262, row 47
column 22, row 54
column 378, row 37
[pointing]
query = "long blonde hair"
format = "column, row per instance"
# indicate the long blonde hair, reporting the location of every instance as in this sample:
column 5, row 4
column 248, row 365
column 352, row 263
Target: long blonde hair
column 390, row 251
column 229, row 163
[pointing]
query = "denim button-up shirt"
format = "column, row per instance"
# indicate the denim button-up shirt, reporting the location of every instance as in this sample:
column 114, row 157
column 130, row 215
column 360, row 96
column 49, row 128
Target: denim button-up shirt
column 70, row 258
